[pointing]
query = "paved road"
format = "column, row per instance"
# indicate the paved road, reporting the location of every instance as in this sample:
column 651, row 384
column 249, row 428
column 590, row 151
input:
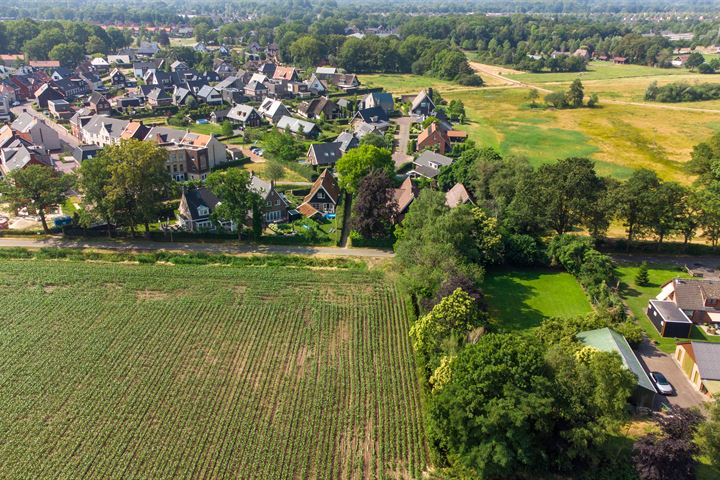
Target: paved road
column 196, row 247
column 64, row 135
column 400, row 155
column 655, row 360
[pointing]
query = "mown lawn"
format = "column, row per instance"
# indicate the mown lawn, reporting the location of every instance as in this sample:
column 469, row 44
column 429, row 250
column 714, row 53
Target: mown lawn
column 637, row 297
column 599, row 71
column 520, row 299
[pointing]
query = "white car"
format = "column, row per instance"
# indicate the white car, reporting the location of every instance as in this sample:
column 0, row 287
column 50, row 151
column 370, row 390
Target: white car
column 662, row 383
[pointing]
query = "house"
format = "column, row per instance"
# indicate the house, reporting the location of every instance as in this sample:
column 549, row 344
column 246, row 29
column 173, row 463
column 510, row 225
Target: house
column 93, row 81
column 179, row 66
column 323, row 197
column 273, row 110
column 684, row 302
column 679, row 61
column 72, row 87
column 5, row 106
column 457, row 195
column 182, row 95
column 325, row 73
column 275, row 207
column 19, row 154
column 369, row 115
column 158, row 98
column 195, row 210
column 224, row 70
column 191, row 156
column 140, row 69
column 456, row 136
column 219, row 115
column 244, row 115
column 428, row 164
column 582, row 53
column 99, row 104
column 345, row 82
column 37, row 131
column 118, row 79
column 134, row 131
column 131, row 101
column 61, row 73
column 232, row 96
column 319, row 107
column 383, row 100
column 298, row 127
column 607, row 340
column 47, row 92
column 101, row 130
column 120, row 60
column 255, row 90
column 230, row 82
column 209, row 95
column 316, row 86
column 158, row 78
column 147, row 49
column 435, row 138
column 289, row 74
column 84, row 152
column 619, row 60
column 423, row 105
column 361, row 129
column 403, row 197
column 60, row 109
column 277, row 89
column 347, row 141
column 700, row 362
column 324, row 154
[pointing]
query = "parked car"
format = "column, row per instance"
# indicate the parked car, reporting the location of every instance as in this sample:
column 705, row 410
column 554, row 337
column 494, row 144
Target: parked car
column 662, row 383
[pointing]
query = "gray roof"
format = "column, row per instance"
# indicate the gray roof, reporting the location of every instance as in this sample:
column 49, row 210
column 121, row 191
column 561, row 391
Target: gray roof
column 347, row 141
column 669, row 311
column 608, row 340
column 206, row 91
column 427, row 157
column 23, row 122
column 166, row 134
column 18, row 157
column 707, row 358
column 426, row 172
column 157, row 94
column 201, row 196
column 114, row 126
column 690, row 294
column 419, row 99
column 295, row 125
column 240, row 112
column 327, row 153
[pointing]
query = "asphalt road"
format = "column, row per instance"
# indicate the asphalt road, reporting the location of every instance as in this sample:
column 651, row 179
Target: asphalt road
column 146, row 245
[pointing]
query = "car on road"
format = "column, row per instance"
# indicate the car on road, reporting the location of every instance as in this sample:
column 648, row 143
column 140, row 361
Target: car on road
column 663, row 386
column 15, row 103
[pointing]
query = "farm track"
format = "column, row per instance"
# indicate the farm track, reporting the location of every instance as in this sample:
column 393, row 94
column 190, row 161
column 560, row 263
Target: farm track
column 159, row 371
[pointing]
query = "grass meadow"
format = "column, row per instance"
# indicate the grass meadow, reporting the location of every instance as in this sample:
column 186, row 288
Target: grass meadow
column 205, row 371
column 520, row 299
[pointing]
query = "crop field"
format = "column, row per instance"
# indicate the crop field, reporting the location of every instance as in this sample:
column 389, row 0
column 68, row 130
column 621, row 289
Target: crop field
column 180, row 371
column 520, row 299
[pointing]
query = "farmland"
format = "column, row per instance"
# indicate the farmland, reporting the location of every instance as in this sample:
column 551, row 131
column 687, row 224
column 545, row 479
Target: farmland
column 167, row 371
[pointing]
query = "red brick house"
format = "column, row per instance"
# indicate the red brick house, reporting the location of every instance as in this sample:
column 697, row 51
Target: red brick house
column 435, row 138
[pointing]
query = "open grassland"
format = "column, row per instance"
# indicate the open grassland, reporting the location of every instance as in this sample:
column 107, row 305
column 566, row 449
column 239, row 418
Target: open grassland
column 520, row 299
column 161, row 371
column 636, row 297
column 620, row 138
column 598, row 71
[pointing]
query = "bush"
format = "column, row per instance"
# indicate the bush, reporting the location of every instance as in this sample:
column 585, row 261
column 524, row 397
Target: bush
column 522, row 250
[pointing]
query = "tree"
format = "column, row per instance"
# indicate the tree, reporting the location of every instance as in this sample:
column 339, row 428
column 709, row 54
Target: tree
column 139, row 181
column 307, row 51
column 374, row 207
column 226, row 129
column 705, row 160
column 163, row 38
column 694, row 60
column 93, row 182
column 456, row 109
column 232, row 187
column 708, row 434
column 95, row 45
column 705, row 69
column 575, row 94
column 635, row 202
column 377, row 140
column 667, row 203
column 642, row 278
column 274, row 171
column 360, row 161
column 66, row 53
column 533, row 96
column 37, row 188
column 669, row 455
column 707, row 201
column 282, row 146
column 556, row 99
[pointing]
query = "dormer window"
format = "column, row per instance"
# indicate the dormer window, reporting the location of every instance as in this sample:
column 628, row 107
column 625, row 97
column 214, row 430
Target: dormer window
column 320, row 195
column 203, row 211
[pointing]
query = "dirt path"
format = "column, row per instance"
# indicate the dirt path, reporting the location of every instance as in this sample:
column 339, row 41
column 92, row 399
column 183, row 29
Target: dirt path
column 226, row 247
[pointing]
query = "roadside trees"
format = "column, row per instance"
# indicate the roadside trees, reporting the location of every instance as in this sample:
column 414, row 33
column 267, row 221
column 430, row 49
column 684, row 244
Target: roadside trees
column 232, row 187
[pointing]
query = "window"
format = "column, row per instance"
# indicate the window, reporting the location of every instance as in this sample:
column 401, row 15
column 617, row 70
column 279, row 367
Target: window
column 320, row 195
column 277, row 203
column 203, row 211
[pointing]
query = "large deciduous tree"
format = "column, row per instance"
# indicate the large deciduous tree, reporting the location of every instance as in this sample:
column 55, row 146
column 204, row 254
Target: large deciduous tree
column 232, row 187
column 358, row 162
column 374, row 207
column 37, row 188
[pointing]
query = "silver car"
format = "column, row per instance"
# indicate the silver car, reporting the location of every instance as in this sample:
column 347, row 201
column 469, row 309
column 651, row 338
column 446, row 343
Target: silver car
column 662, row 383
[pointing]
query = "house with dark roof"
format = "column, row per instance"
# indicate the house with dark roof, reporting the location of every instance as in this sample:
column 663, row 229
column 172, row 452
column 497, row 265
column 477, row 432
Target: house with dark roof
column 47, row 92
column 195, row 210
column 255, row 90
column 683, row 303
column 117, row 78
column 158, row 97
column 84, row 152
column 209, row 95
column 72, row 87
column 323, row 197
column 60, row 109
column 275, row 207
column 298, row 127
column 38, row 132
column 244, row 115
column 428, row 164
column 700, row 362
column 608, row 340
column 423, row 105
column 100, row 104
column 273, row 110
column 370, row 115
column 324, row 154
column 383, row 100
column 347, row 141
column 318, row 107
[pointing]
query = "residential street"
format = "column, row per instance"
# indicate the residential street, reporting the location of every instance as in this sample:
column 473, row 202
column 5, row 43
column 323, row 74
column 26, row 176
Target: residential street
column 655, row 360
column 400, row 155
column 229, row 248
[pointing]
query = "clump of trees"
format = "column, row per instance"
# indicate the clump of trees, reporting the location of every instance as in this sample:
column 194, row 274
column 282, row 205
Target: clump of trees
column 572, row 98
column 682, row 92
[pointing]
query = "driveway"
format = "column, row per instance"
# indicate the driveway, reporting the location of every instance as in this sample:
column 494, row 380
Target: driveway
column 655, row 360
column 64, row 135
column 400, row 155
